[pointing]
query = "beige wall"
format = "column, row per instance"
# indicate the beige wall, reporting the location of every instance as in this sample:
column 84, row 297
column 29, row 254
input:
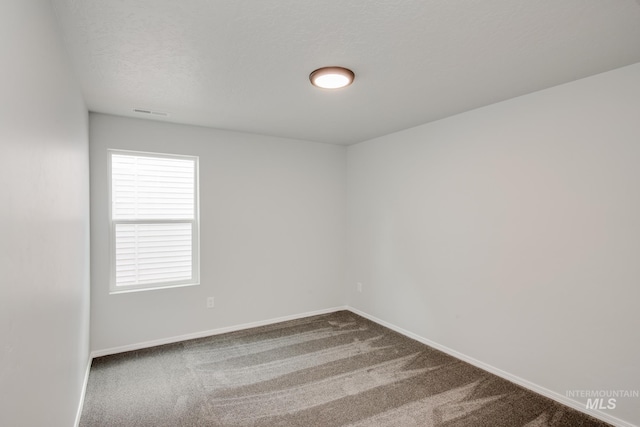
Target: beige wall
column 511, row 234
column 44, row 222
column 272, row 237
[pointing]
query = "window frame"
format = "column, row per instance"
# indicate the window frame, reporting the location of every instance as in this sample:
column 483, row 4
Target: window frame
column 195, row 226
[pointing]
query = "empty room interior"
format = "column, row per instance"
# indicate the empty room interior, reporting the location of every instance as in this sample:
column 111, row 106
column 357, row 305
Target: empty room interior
column 466, row 210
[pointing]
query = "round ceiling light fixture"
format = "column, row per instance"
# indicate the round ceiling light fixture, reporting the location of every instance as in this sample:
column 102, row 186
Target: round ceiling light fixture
column 331, row 77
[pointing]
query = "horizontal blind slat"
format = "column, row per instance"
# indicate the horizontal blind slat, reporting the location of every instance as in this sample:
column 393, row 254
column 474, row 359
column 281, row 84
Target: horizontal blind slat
column 145, row 187
column 160, row 259
column 154, row 189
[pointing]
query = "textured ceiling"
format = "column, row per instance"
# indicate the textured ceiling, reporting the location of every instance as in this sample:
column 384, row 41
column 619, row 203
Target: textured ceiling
column 244, row 64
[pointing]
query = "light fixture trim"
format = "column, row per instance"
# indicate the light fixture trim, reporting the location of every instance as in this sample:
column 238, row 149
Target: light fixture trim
column 332, row 77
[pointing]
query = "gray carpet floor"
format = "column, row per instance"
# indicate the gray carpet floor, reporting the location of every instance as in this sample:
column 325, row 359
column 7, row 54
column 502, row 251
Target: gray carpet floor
column 337, row 369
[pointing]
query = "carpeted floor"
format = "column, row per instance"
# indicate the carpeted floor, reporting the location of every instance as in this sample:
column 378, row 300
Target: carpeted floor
column 331, row 370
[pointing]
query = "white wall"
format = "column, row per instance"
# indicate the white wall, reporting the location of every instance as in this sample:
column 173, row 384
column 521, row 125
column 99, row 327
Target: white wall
column 272, row 240
column 44, row 222
column 511, row 234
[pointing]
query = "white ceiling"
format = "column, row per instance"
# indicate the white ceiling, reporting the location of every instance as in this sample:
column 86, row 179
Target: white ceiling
column 244, row 64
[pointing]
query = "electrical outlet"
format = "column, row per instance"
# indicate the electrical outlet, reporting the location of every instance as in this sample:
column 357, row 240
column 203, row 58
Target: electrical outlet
column 210, row 302
column 359, row 286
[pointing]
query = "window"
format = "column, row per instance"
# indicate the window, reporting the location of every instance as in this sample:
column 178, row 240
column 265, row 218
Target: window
column 154, row 220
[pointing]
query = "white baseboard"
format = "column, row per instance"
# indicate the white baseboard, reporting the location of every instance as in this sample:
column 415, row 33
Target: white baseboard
column 83, row 392
column 507, row 376
column 203, row 334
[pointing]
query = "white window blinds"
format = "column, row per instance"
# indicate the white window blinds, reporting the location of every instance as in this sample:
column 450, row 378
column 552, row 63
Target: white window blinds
column 154, row 220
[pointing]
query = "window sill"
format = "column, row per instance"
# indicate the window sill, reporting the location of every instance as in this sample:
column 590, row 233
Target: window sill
column 151, row 288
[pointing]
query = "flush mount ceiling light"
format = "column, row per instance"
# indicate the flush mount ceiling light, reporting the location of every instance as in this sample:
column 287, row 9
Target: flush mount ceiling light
column 331, row 77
